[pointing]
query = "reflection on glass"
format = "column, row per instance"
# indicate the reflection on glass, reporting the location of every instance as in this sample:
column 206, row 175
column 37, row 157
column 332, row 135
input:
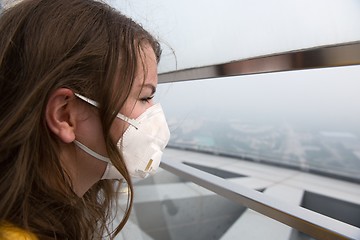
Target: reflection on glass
column 167, row 207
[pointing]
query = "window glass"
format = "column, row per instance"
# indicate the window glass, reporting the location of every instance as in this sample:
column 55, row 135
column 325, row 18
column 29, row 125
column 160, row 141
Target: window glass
column 307, row 120
column 294, row 136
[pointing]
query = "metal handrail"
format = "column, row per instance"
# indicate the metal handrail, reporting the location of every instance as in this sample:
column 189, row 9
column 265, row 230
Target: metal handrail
column 304, row 220
column 320, row 57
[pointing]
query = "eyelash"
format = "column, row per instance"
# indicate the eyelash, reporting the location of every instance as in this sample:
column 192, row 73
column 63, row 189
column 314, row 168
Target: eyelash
column 146, row 99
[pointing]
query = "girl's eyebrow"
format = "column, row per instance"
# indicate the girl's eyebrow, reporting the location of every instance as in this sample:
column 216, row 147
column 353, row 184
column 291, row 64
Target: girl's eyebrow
column 149, row 85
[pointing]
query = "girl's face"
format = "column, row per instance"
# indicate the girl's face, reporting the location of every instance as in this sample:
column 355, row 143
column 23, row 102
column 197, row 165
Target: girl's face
column 141, row 94
column 88, row 169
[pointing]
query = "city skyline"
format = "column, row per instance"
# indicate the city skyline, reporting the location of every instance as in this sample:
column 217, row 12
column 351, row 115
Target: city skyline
column 330, row 152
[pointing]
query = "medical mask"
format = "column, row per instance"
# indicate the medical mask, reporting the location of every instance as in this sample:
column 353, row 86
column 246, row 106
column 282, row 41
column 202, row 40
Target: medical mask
column 142, row 143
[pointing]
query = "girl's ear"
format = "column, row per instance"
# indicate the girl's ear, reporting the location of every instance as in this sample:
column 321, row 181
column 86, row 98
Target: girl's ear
column 60, row 114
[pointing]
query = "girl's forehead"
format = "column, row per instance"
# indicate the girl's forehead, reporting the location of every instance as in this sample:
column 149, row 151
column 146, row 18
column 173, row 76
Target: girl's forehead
column 147, row 71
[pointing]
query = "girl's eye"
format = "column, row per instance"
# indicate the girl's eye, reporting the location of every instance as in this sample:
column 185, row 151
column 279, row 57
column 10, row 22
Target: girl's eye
column 146, row 99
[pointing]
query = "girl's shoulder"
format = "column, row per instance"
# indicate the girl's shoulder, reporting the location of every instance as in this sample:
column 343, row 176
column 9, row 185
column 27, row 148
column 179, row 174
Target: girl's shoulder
column 10, row 232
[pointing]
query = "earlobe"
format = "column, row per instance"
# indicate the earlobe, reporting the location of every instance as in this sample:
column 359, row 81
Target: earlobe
column 59, row 114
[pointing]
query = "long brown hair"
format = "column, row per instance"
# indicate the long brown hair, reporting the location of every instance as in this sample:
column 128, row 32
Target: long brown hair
column 82, row 45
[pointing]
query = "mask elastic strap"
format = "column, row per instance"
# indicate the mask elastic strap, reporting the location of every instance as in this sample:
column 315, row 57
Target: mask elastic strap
column 131, row 121
column 91, row 152
column 88, row 100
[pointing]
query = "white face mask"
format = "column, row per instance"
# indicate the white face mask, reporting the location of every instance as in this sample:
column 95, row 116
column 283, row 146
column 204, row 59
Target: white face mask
column 142, row 144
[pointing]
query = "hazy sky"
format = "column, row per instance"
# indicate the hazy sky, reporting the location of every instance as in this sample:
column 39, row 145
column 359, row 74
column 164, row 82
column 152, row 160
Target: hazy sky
column 328, row 98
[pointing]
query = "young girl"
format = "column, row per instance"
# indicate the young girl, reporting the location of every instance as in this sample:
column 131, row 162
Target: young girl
column 77, row 117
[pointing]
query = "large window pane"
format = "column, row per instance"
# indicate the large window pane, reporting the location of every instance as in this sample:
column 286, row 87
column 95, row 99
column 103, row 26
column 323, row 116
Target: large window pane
column 307, row 120
column 294, row 136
